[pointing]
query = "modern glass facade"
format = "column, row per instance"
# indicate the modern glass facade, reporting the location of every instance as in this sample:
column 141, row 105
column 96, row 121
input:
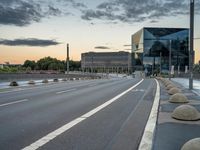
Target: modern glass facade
column 151, row 49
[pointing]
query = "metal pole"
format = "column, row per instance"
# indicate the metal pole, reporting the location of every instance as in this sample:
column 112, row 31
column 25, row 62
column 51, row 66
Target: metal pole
column 67, row 58
column 92, row 65
column 191, row 52
column 160, row 62
column 170, row 59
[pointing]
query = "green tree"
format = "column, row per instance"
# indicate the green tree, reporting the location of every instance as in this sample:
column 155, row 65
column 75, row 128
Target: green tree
column 196, row 68
column 49, row 63
column 29, row 63
column 74, row 65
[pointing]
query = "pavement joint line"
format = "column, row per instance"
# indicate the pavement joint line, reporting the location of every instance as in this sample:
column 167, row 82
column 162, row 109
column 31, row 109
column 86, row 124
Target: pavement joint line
column 148, row 135
column 15, row 102
column 60, row 92
column 42, row 141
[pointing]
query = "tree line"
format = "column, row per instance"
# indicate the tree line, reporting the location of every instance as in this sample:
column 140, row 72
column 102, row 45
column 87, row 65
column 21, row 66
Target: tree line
column 48, row 63
column 44, row 64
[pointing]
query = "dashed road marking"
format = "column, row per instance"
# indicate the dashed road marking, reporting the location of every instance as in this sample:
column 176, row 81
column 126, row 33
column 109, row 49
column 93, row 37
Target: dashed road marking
column 60, row 92
column 74, row 122
column 15, row 102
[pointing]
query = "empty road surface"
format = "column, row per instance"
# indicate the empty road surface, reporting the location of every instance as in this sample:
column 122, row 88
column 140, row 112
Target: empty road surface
column 104, row 114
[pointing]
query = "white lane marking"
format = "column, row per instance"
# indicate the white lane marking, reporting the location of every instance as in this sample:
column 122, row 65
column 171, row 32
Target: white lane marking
column 65, row 91
column 138, row 90
column 147, row 138
column 69, row 125
column 15, row 102
column 92, row 85
column 10, row 90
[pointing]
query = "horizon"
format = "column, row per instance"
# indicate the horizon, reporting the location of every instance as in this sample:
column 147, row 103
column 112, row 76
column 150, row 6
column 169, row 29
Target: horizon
column 43, row 28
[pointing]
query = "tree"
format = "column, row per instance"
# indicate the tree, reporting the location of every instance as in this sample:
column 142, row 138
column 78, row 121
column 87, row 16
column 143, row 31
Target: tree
column 29, row 63
column 49, row 63
column 74, row 65
column 196, row 68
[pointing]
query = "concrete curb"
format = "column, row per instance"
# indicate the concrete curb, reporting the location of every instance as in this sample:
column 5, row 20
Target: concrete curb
column 147, row 138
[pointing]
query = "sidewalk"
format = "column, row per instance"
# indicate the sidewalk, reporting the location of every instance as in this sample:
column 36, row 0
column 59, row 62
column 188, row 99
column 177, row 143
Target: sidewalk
column 172, row 134
column 185, row 83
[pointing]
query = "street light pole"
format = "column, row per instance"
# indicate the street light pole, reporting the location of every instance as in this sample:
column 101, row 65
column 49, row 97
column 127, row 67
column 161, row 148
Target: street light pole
column 191, row 52
column 160, row 63
column 170, row 58
column 67, row 58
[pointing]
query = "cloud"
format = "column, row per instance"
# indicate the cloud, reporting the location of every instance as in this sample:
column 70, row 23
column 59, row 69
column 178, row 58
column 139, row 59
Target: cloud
column 28, row 42
column 137, row 10
column 25, row 12
column 102, row 47
column 73, row 3
column 54, row 11
column 21, row 14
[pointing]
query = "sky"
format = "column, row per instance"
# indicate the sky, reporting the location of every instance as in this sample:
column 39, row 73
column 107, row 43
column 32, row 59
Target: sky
column 33, row 29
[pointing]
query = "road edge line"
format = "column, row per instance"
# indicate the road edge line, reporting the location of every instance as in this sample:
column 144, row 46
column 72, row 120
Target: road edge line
column 50, row 136
column 146, row 142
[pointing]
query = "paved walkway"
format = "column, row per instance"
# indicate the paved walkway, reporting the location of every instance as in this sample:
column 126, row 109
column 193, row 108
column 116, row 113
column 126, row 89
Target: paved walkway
column 185, row 83
column 170, row 133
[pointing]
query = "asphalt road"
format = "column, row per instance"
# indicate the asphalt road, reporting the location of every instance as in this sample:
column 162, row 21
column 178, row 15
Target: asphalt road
column 31, row 113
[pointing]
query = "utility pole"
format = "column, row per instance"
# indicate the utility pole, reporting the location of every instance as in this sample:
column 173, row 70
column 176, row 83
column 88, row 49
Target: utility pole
column 191, row 52
column 160, row 63
column 170, row 58
column 67, row 58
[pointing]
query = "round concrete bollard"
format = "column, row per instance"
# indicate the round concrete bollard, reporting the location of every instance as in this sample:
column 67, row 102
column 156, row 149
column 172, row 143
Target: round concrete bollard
column 31, row 82
column 55, row 80
column 45, row 81
column 186, row 113
column 168, row 83
column 174, row 91
column 14, row 83
column 193, row 144
column 178, row 98
column 170, row 86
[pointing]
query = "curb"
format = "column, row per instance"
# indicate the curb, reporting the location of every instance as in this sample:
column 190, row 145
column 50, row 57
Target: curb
column 148, row 135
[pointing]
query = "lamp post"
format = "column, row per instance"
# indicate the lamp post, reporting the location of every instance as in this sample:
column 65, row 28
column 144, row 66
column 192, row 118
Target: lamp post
column 67, row 58
column 160, row 63
column 191, row 52
column 170, row 58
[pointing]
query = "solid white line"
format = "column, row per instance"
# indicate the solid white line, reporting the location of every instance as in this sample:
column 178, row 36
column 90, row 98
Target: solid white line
column 147, row 138
column 65, row 91
column 15, row 102
column 69, row 125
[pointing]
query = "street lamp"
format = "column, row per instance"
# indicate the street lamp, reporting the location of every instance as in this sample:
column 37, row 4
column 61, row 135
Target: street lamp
column 67, row 58
column 170, row 58
column 191, row 52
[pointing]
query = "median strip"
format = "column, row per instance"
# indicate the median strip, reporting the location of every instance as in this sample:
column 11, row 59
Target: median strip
column 15, row 102
column 74, row 122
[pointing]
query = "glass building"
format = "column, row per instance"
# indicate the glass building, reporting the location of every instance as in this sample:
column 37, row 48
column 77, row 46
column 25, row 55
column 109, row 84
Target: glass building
column 151, row 49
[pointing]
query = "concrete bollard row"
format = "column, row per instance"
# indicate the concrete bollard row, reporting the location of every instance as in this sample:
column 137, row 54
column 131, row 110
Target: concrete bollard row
column 182, row 112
